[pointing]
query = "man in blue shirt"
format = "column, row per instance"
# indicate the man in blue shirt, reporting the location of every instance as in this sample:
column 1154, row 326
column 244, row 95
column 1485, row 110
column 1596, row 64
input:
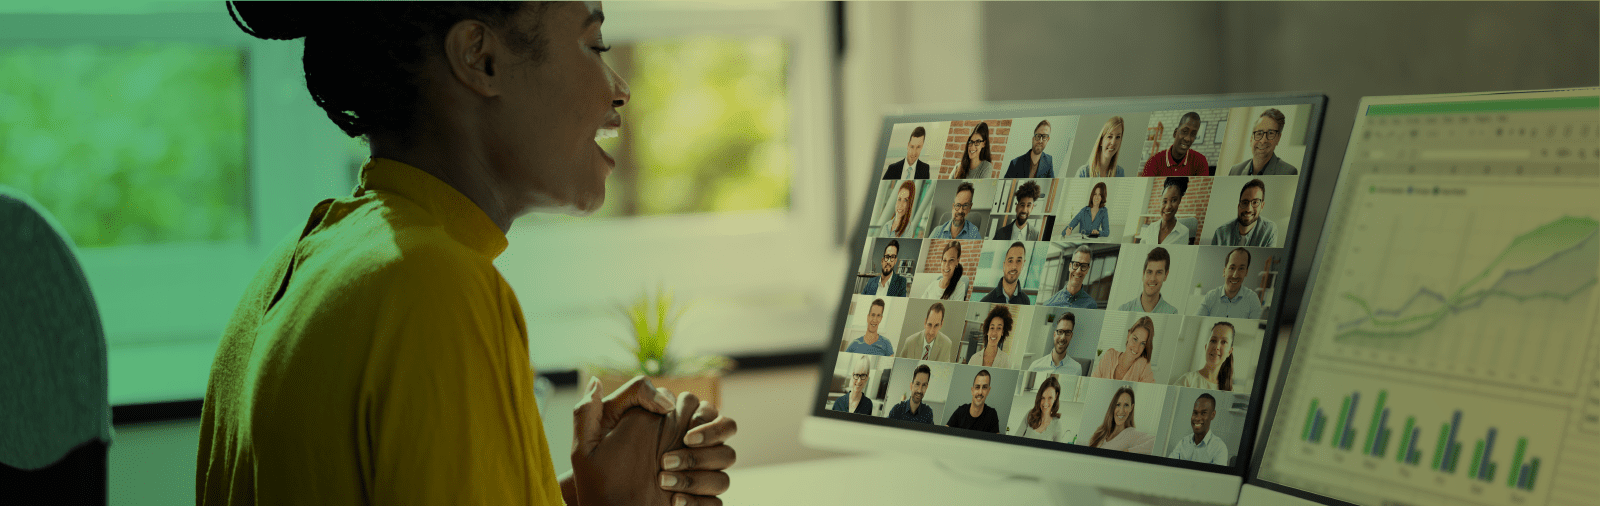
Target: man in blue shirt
column 912, row 409
column 1057, row 362
column 872, row 343
column 1075, row 295
column 1009, row 289
column 889, row 283
column 1155, row 275
column 958, row 227
column 1036, row 163
column 1204, row 446
column 1232, row 299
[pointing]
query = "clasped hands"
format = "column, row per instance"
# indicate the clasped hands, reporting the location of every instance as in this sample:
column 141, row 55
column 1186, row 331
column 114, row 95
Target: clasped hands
column 637, row 446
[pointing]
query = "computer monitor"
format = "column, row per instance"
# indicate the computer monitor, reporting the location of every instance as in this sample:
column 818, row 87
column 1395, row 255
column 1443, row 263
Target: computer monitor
column 1446, row 351
column 1071, row 290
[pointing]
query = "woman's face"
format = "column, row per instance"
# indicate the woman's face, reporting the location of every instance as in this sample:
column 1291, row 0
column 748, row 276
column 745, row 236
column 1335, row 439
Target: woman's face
column 1047, row 400
column 1097, row 198
column 1137, row 339
column 902, row 204
column 542, row 120
column 1112, row 141
column 1122, row 412
column 997, row 330
column 1220, row 346
column 858, row 380
column 975, row 147
column 951, row 260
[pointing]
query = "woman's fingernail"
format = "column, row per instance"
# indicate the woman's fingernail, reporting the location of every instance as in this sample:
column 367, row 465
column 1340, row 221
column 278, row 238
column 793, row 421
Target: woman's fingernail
column 663, row 400
column 695, row 438
column 681, row 501
column 668, row 480
column 670, row 462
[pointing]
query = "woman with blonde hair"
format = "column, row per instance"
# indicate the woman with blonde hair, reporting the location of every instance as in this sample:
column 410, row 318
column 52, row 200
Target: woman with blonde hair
column 1106, row 149
column 1116, row 432
column 1133, row 362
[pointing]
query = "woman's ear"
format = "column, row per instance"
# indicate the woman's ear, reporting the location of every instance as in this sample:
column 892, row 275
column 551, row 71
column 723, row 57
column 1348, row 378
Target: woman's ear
column 470, row 49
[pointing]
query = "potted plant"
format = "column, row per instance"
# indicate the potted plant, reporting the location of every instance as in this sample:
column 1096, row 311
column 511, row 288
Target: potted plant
column 651, row 320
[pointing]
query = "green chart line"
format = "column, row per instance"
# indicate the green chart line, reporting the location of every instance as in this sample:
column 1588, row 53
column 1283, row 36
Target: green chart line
column 1516, row 461
column 1372, row 430
column 1405, row 440
column 1311, row 416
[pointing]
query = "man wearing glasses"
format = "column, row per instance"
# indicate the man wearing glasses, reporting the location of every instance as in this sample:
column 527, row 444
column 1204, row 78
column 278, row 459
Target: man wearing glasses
column 1249, row 229
column 1026, row 196
column 887, row 284
column 1074, row 295
column 1263, row 146
column 958, row 227
column 1037, row 163
column 1057, row 361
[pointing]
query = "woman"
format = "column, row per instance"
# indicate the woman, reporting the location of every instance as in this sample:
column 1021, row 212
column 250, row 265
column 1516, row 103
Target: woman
column 1133, row 362
column 997, row 328
column 1218, row 372
column 382, row 328
column 1106, row 148
column 899, row 224
column 1044, row 420
column 1092, row 221
column 1117, row 432
column 975, row 160
column 950, row 285
column 856, row 400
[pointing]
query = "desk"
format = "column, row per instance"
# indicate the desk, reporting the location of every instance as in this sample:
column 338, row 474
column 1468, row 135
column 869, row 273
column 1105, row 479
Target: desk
column 895, row 480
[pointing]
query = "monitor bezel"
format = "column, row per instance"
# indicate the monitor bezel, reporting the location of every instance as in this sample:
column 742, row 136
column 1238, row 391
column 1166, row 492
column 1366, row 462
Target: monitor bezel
column 1077, row 107
column 1339, row 190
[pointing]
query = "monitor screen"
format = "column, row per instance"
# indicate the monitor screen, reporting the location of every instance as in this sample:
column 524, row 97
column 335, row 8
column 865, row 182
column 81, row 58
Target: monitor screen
column 1446, row 352
column 1090, row 277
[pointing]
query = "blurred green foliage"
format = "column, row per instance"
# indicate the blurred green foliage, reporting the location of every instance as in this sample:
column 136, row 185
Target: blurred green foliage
column 708, row 127
column 128, row 144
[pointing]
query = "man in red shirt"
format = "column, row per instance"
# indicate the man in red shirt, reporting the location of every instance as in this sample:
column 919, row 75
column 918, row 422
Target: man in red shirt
column 1179, row 160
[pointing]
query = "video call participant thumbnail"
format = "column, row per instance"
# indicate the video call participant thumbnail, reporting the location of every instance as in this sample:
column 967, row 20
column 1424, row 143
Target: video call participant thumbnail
column 1249, row 229
column 1027, row 194
column 1203, row 446
column 872, row 343
column 888, row 283
column 977, row 416
column 1009, row 289
column 1218, row 371
column 1075, row 294
column 1057, row 361
column 1233, row 299
column 1168, row 230
column 1264, row 159
column 1044, row 420
column 1036, row 163
column 1132, row 363
column 899, row 224
column 997, row 329
column 1154, row 276
column 1178, row 159
column 1092, row 221
column 857, row 401
column 975, row 160
column 896, row 170
column 958, row 227
column 929, row 343
column 912, row 409
column 1106, row 147
column 952, row 281
column 1117, row 431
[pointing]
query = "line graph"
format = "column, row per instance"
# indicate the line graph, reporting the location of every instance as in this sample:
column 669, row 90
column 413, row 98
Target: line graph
column 1467, row 287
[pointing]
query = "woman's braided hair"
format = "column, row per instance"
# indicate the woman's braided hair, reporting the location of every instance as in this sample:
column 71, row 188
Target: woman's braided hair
column 363, row 60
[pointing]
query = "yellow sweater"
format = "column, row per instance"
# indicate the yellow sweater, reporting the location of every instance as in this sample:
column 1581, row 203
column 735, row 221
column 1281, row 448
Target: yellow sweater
column 393, row 369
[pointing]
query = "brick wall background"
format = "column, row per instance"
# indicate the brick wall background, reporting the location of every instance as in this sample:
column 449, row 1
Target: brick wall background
column 1195, row 201
column 999, row 131
column 971, row 250
column 1208, row 142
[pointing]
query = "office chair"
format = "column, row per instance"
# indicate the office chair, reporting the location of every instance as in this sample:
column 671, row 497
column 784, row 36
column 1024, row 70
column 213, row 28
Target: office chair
column 55, row 419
